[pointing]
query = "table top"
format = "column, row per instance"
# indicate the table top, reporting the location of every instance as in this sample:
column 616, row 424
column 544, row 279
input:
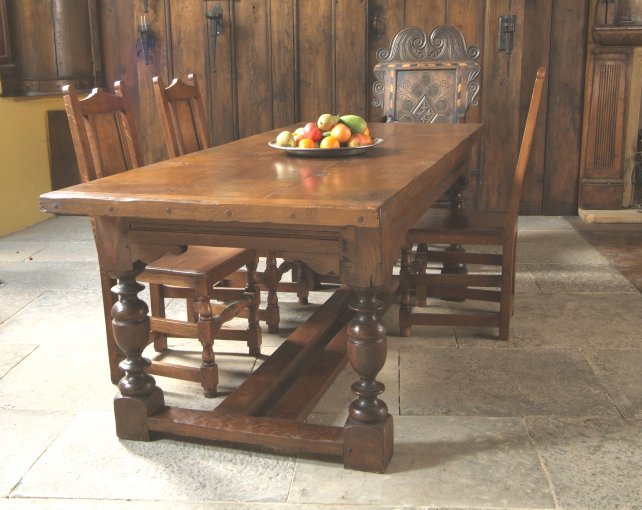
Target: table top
column 249, row 181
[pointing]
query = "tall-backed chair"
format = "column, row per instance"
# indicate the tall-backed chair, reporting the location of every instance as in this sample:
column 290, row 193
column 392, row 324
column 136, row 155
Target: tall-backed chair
column 105, row 144
column 474, row 228
column 182, row 117
column 429, row 78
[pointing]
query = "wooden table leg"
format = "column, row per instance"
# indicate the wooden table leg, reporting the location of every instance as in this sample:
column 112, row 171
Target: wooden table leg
column 368, row 432
column 139, row 397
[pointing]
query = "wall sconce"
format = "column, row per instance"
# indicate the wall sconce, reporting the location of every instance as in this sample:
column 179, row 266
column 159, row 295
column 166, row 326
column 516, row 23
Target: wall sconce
column 145, row 31
column 215, row 18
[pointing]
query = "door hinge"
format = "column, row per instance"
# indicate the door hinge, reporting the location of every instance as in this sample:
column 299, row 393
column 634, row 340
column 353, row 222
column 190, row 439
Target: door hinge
column 506, row 30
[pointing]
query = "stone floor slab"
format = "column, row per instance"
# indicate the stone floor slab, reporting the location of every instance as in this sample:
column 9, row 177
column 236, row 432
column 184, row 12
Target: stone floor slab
column 593, row 464
column 575, row 320
column 88, row 461
column 31, row 275
column 544, row 223
column 500, row 382
column 25, row 436
column 556, row 247
column 438, row 462
column 12, row 301
column 64, row 317
column 92, row 504
column 70, row 228
column 12, row 354
column 619, row 371
column 554, row 278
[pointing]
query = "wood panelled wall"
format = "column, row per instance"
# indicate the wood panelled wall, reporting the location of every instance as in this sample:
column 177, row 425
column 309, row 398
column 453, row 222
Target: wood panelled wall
column 284, row 61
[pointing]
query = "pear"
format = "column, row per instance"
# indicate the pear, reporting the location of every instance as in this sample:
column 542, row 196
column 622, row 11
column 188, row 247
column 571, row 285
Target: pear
column 354, row 122
column 285, row 139
column 327, row 121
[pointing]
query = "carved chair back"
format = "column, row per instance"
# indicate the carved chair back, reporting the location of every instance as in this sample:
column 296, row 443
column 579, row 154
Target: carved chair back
column 429, row 78
column 102, row 132
column 182, row 116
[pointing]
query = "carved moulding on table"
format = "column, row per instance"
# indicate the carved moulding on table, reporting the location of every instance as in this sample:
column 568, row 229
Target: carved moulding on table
column 427, row 78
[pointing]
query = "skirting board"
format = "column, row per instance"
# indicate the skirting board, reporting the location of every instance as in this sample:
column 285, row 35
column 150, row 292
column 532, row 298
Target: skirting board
column 610, row 216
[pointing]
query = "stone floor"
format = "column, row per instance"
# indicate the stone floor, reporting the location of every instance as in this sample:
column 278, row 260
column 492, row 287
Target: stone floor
column 550, row 419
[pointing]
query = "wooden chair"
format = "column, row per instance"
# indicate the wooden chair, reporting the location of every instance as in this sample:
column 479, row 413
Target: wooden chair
column 105, row 144
column 182, row 116
column 429, row 78
column 460, row 227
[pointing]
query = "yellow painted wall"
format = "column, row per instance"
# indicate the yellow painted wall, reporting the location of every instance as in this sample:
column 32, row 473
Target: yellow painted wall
column 24, row 160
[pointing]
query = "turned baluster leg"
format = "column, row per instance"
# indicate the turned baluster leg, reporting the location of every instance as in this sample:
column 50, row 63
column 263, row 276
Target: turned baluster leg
column 253, row 295
column 271, row 279
column 139, row 396
column 419, row 266
column 207, row 328
column 368, row 432
column 405, row 287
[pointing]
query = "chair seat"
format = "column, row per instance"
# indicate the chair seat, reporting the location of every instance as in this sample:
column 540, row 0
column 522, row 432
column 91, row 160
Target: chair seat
column 198, row 262
column 441, row 226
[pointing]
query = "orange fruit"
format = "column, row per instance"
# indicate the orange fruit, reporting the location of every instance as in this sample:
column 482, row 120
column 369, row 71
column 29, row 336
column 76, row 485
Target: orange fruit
column 341, row 132
column 306, row 143
column 330, row 142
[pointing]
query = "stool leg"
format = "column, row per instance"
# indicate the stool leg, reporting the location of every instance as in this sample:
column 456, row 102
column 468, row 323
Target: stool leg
column 206, row 329
column 157, row 305
column 271, row 279
column 253, row 295
column 405, row 285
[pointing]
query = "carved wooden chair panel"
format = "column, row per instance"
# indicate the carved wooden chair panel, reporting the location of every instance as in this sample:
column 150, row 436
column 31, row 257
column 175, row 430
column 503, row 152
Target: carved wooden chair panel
column 429, row 78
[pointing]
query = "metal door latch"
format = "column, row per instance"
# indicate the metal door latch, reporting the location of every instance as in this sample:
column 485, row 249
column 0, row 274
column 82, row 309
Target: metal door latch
column 506, row 30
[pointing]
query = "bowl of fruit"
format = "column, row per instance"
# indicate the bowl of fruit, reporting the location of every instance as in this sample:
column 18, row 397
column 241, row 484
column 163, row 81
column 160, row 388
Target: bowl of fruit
column 330, row 136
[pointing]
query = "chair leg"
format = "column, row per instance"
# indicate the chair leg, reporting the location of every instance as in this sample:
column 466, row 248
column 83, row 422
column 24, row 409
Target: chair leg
column 207, row 329
column 253, row 294
column 405, row 284
column 271, row 279
column 157, row 305
column 419, row 265
column 305, row 279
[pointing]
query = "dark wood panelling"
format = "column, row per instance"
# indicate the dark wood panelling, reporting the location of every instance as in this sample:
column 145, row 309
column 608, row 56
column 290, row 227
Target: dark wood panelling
column 389, row 16
column 565, row 100
column 316, row 58
column 253, row 64
column 5, row 40
column 426, row 15
column 284, row 70
column 219, row 78
column 535, row 53
column 279, row 62
column 350, row 57
column 500, row 110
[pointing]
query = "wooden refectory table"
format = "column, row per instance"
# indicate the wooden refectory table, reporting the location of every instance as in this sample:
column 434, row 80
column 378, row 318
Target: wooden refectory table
column 346, row 215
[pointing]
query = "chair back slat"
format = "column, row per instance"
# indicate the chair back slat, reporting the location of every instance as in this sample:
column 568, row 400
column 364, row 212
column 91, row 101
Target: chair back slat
column 524, row 151
column 182, row 116
column 428, row 78
column 102, row 132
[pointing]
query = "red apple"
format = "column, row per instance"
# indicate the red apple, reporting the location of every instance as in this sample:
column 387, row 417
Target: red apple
column 311, row 131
